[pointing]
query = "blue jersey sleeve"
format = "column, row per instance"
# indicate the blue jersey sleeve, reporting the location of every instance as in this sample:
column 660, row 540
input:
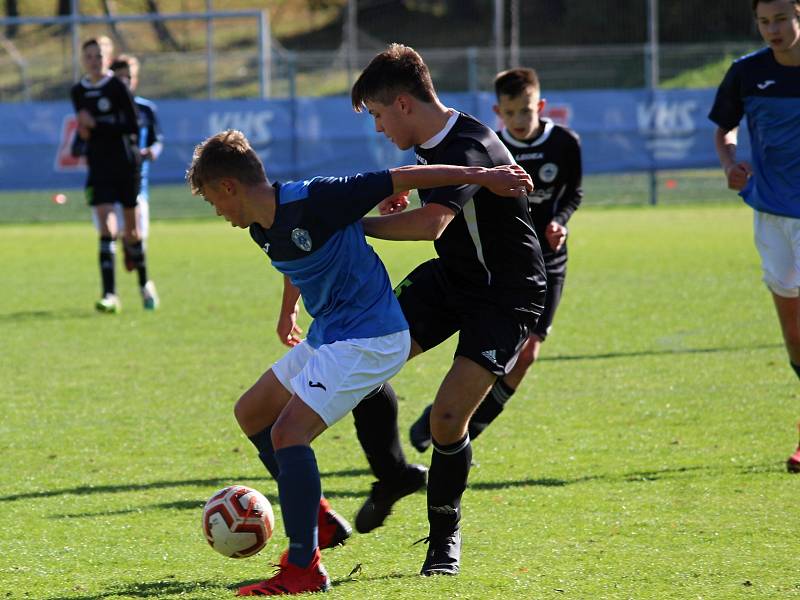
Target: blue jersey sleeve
column 341, row 201
column 728, row 108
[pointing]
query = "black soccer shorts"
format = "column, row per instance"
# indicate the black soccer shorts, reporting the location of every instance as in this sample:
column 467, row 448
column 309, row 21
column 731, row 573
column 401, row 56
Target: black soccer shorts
column 488, row 333
column 125, row 192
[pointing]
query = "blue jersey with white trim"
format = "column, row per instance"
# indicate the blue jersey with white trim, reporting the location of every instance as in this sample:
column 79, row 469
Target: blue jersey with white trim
column 768, row 93
column 317, row 240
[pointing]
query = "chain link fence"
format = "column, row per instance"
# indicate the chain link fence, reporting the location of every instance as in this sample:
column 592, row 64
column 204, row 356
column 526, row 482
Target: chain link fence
column 573, row 45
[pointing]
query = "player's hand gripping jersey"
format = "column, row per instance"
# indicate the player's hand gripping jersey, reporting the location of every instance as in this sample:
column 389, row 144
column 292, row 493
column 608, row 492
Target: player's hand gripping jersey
column 112, row 151
column 317, row 241
column 768, row 93
column 490, row 246
column 553, row 161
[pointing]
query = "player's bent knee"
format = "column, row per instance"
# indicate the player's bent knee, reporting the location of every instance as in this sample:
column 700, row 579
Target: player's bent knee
column 245, row 411
column 447, row 428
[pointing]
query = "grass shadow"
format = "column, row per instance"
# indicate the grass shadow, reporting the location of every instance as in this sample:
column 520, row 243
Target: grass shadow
column 85, row 490
column 179, row 505
column 23, row 316
column 632, row 477
column 154, row 589
column 612, row 355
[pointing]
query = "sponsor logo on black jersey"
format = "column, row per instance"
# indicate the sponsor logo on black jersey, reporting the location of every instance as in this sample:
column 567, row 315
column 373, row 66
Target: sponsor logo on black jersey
column 301, row 239
column 420, row 160
column 530, row 156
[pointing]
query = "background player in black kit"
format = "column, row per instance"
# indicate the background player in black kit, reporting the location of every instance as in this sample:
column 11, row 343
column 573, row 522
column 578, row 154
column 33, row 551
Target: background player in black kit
column 487, row 284
column 551, row 154
column 126, row 69
column 107, row 121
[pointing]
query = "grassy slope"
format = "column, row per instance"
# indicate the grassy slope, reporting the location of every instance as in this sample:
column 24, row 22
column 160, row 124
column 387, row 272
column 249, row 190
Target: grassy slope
column 642, row 459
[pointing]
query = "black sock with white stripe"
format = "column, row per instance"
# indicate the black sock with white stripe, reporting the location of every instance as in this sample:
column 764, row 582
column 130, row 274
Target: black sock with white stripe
column 447, row 480
column 490, row 408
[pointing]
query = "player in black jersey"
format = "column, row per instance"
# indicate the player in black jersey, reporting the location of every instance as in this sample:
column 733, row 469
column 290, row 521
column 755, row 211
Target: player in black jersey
column 126, row 69
column 551, row 154
column 107, row 121
column 487, row 284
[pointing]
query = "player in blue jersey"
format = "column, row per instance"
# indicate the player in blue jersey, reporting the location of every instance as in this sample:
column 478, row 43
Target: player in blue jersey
column 551, row 153
column 312, row 234
column 151, row 143
column 765, row 87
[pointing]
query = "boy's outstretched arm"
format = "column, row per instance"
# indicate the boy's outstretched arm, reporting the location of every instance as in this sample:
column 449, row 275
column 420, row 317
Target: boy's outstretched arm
column 506, row 180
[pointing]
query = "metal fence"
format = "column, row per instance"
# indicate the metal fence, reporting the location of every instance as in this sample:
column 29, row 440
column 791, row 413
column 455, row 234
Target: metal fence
column 233, row 54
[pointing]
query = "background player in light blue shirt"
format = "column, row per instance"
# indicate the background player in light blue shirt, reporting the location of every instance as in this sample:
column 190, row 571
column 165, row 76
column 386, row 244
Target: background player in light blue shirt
column 312, row 233
column 765, row 87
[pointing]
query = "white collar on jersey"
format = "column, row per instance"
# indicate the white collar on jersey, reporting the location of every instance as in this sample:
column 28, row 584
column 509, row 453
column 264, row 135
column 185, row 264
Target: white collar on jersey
column 445, row 130
column 88, row 84
column 548, row 129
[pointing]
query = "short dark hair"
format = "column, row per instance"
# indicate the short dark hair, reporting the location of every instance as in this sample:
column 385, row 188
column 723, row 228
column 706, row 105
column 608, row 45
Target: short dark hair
column 515, row 81
column 757, row 2
column 398, row 69
column 90, row 42
column 125, row 61
column 226, row 154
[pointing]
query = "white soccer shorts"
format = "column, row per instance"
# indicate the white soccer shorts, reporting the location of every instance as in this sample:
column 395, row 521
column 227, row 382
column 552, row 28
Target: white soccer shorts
column 333, row 378
column 778, row 242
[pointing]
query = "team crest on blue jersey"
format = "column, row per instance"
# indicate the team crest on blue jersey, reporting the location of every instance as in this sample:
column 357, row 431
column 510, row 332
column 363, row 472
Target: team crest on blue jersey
column 301, row 239
column 548, row 172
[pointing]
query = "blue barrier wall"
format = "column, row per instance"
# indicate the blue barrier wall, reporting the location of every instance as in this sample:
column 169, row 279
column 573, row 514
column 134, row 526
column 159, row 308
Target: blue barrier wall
column 621, row 131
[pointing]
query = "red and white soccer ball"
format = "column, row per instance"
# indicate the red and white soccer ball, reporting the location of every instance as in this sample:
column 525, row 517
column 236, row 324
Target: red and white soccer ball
column 238, row 521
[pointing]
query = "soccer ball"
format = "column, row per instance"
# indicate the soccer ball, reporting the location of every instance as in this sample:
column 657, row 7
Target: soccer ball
column 238, row 521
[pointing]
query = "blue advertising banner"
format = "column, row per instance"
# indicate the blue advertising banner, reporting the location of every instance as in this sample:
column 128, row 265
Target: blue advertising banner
column 621, row 131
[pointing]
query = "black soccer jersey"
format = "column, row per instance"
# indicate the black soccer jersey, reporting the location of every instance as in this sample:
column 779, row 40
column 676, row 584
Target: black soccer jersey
column 112, row 152
column 490, row 245
column 553, row 160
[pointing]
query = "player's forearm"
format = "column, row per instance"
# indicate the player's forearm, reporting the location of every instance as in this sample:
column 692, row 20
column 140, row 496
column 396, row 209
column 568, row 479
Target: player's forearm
column 568, row 205
column 155, row 150
column 412, row 225
column 291, row 295
column 725, row 143
column 431, row 176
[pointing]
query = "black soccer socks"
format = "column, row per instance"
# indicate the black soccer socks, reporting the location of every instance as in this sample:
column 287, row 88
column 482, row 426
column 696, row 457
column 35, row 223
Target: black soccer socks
column 376, row 425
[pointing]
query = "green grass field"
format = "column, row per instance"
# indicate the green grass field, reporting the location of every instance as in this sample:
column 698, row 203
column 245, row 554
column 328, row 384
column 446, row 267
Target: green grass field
column 642, row 459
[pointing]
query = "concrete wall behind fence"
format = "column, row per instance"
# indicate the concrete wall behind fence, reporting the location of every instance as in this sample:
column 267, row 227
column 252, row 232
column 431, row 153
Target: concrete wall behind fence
column 621, row 131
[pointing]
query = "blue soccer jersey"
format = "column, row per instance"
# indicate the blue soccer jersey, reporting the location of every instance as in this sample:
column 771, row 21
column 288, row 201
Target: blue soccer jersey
column 317, row 240
column 150, row 136
column 768, row 93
